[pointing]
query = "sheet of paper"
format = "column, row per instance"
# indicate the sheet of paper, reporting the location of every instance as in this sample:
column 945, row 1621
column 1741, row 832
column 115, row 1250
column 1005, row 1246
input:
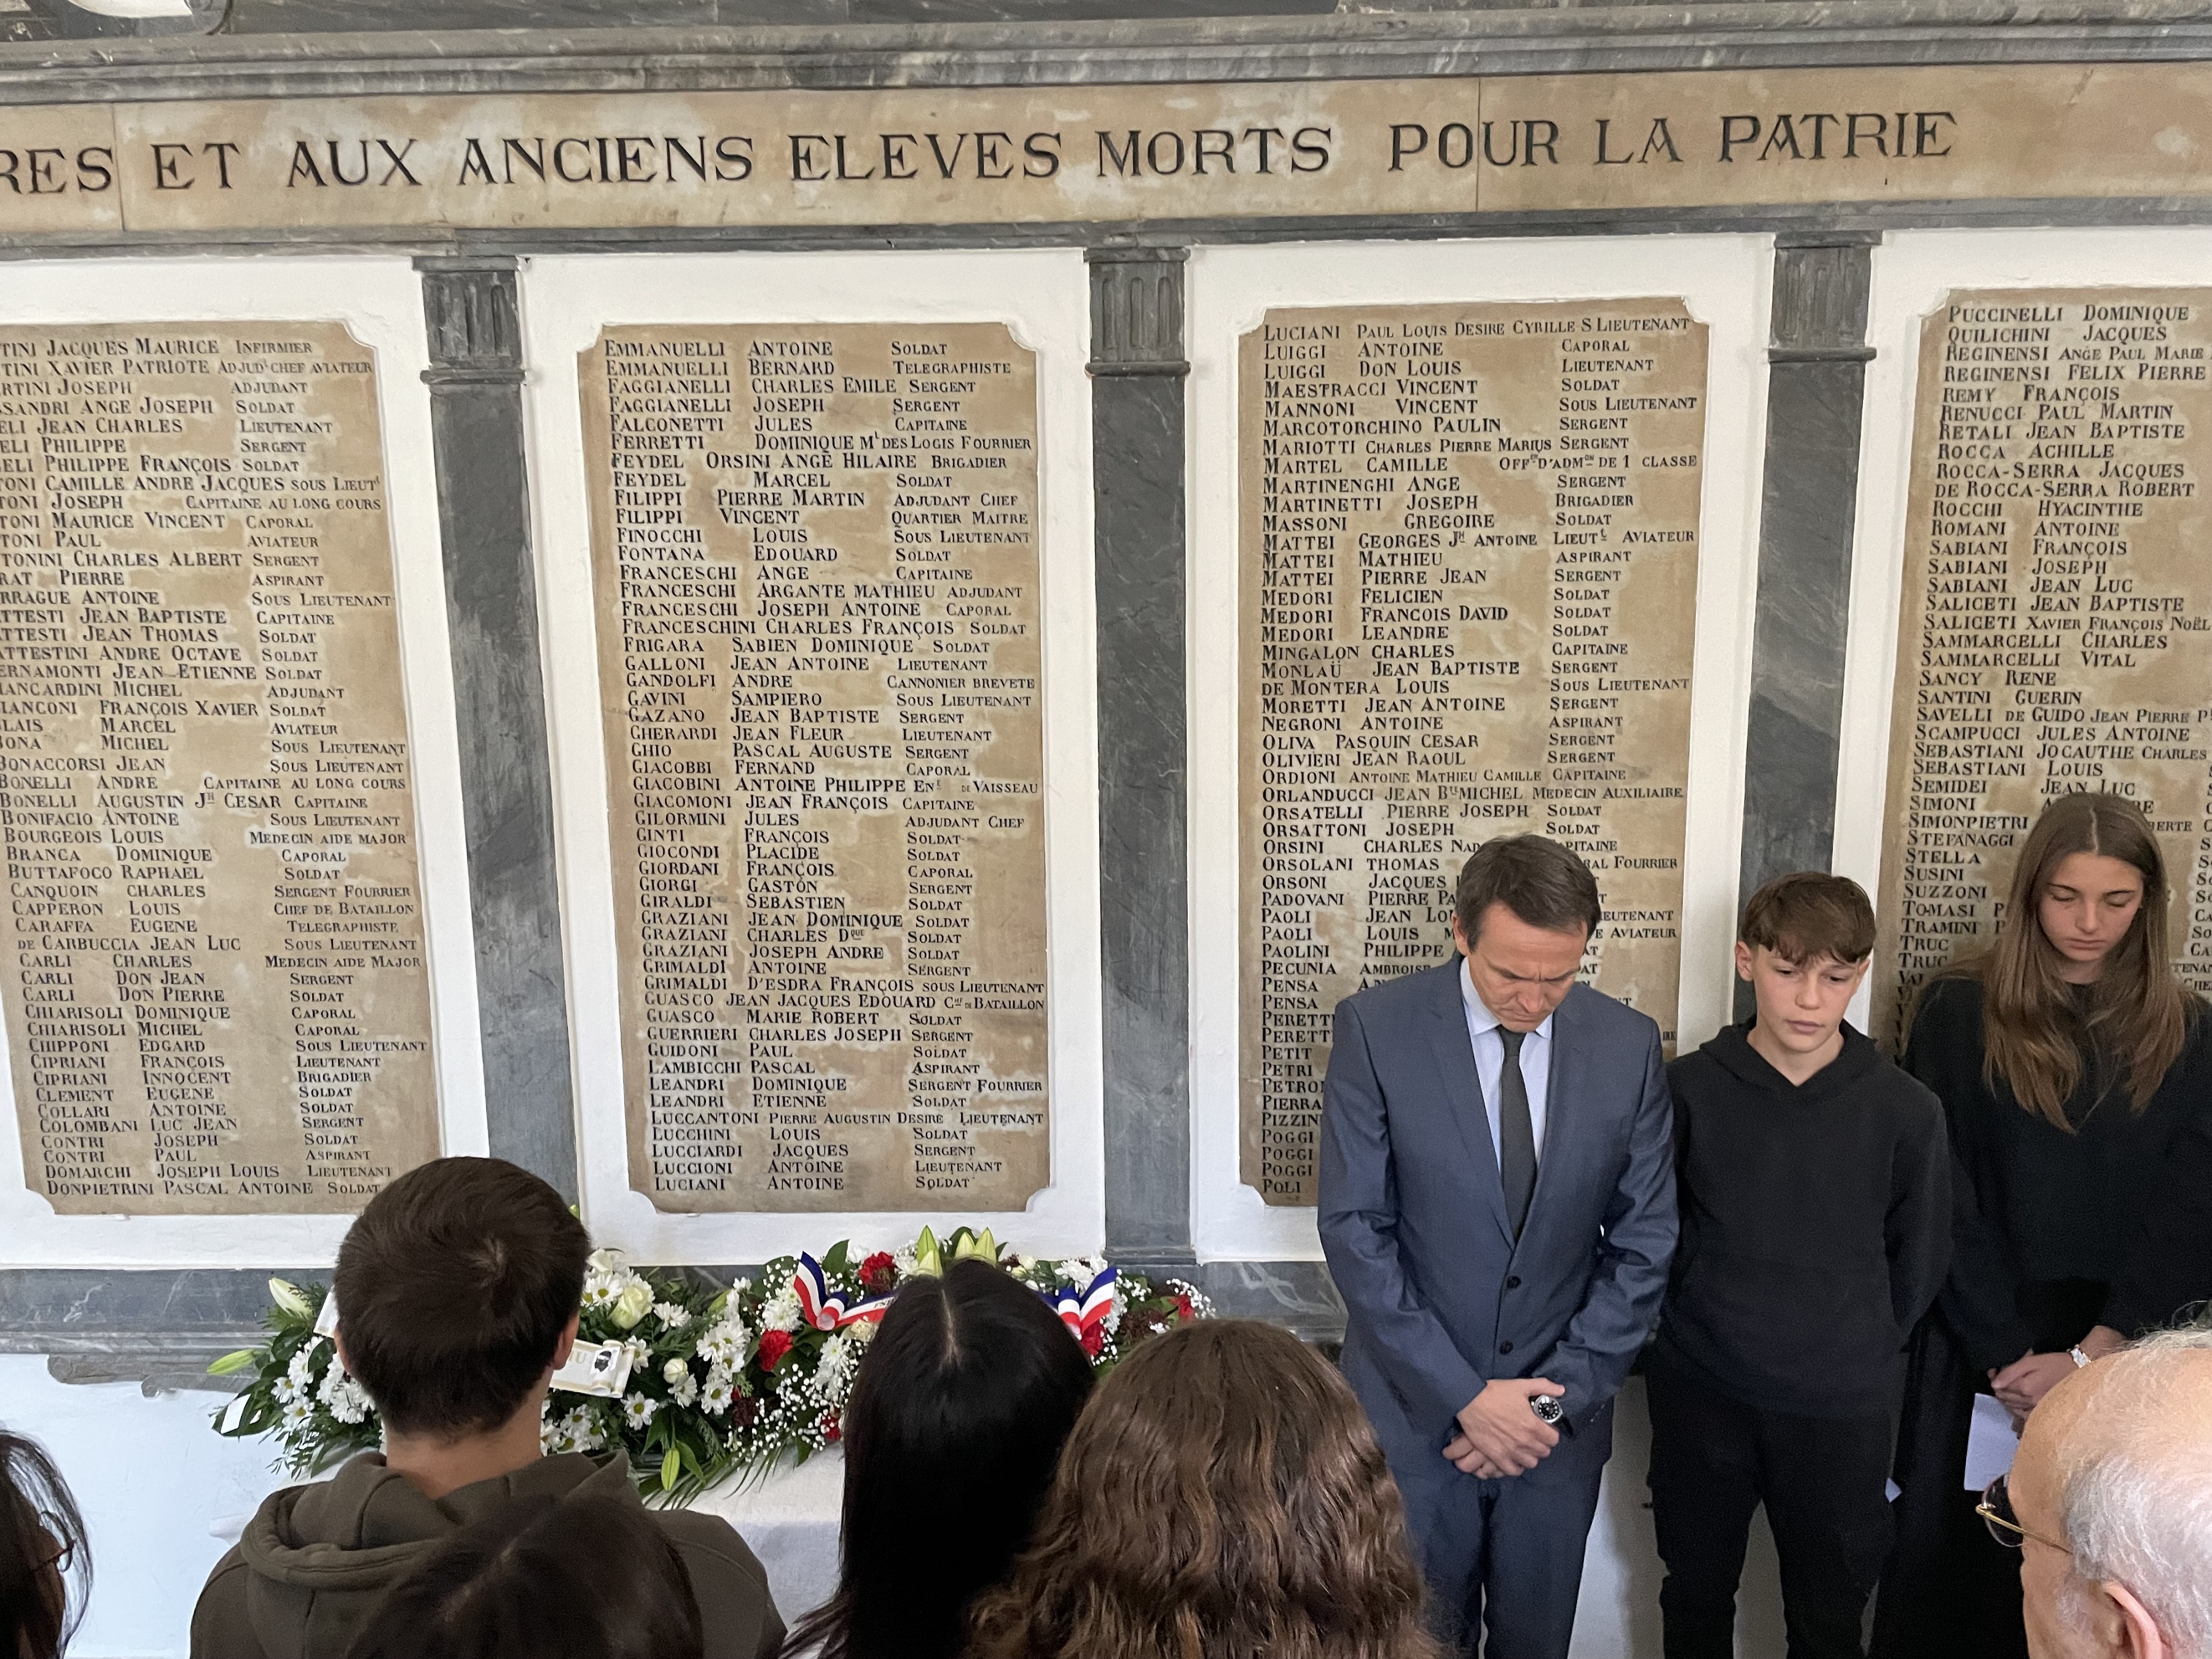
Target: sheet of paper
column 1991, row 1443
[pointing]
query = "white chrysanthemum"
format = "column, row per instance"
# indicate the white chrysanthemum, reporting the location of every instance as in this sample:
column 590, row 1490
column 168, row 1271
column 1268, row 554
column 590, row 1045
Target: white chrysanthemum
column 684, row 1389
column 714, row 1398
column 905, row 1261
column 301, row 1370
column 287, row 1391
column 638, row 1350
column 670, row 1314
column 781, row 1313
column 724, row 1342
column 298, row 1415
column 638, row 1409
column 348, row 1401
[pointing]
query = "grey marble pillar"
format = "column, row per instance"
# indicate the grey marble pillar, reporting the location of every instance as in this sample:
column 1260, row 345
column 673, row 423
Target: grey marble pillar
column 491, row 600
column 1815, row 387
column 1138, row 369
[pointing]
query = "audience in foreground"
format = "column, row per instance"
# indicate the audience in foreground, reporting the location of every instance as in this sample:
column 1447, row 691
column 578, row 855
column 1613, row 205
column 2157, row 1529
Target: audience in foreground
column 459, row 1289
column 587, row 1578
column 45, row 1568
column 2110, row 1501
column 1222, row 1497
column 957, row 1419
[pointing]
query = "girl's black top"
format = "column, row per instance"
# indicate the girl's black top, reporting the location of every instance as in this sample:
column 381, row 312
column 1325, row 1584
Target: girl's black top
column 2053, row 1233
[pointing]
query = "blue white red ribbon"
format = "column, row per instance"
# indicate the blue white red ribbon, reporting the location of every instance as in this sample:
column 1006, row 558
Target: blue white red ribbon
column 1085, row 1309
column 826, row 1309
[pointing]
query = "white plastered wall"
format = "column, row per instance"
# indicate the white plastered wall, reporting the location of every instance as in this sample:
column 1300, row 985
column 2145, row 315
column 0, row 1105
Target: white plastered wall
column 1913, row 270
column 1724, row 281
column 381, row 301
column 1044, row 297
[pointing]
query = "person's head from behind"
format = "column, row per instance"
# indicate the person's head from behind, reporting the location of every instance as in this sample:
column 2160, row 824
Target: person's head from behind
column 2111, row 1498
column 2087, row 906
column 1804, row 946
column 542, row 1578
column 956, row 1422
column 1222, row 1496
column 1523, row 910
column 45, row 1568
column 459, row 1289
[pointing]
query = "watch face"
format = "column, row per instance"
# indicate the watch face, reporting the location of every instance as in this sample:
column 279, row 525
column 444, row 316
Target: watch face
column 1547, row 1407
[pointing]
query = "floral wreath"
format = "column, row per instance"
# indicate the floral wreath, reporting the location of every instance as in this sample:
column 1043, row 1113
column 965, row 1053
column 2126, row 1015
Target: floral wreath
column 697, row 1384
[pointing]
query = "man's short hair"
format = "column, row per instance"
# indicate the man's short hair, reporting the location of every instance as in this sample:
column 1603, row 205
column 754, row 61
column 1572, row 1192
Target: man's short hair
column 1808, row 915
column 1538, row 880
column 453, row 1287
column 2136, row 1485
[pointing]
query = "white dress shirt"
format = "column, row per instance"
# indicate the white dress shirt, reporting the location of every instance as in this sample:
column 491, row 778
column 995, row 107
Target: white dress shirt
column 1482, row 1032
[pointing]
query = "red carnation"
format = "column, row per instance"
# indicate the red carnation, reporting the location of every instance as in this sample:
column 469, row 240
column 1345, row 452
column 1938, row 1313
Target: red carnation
column 1094, row 1340
column 878, row 1273
column 832, row 1431
column 774, row 1344
column 1183, row 1309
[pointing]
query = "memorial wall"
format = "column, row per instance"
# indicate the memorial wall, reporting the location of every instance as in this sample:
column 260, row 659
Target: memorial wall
column 1477, row 581
column 816, row 572
column 2056, row 616
column 1469, row 559
column 216, row 1000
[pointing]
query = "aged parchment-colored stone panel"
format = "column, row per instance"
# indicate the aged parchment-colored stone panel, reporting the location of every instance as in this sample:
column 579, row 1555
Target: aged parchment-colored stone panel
column 2057, row 625
column 1090, row 153
column 215, row 995
column 815, row 558
column 1468, row 597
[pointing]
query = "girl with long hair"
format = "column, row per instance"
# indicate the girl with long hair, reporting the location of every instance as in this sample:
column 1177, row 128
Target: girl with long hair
column 2076, row 1077
column 1223, row 1497
column 46, row 1566
column 956, row 1420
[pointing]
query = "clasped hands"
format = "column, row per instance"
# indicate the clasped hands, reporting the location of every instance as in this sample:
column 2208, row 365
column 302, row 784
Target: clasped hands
column 2021, row 1386
column 1499, row 1435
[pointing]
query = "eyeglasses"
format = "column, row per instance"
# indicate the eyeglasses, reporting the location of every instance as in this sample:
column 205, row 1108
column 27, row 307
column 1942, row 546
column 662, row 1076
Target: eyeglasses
column 1996, row 1510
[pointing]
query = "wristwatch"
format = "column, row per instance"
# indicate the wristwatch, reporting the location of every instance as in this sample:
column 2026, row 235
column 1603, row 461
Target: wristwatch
column 1548, row 1407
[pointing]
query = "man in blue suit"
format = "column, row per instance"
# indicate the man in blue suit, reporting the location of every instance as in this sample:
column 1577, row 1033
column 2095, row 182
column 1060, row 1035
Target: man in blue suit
column 1498, row 1206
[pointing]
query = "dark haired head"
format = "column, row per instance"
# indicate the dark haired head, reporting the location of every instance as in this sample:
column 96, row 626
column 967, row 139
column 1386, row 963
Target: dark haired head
column 1222, row 1496
column 543, row 1579
column 1806, row 916
column 45, row 1568
column 1538, row 880
column 454, row 1287
column 956, row 1422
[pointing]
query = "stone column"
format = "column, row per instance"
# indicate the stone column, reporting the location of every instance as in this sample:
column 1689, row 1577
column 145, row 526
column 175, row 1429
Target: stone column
column 1815, row 389
column 1138, row 369
column 491, row 602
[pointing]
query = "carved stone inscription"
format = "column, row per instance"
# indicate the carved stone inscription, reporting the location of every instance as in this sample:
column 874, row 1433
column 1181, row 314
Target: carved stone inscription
column 214, row 989
column 816, row 561
column 2056, row 621
column 1469, row 589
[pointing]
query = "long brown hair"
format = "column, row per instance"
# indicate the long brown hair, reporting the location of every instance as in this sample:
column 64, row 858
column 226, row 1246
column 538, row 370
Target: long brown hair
column 1222, row 1497
column 2033, row 1037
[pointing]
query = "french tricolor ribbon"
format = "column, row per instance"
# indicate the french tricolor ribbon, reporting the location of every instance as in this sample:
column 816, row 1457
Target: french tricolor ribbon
column 826, row 1309
column 1085, row 1310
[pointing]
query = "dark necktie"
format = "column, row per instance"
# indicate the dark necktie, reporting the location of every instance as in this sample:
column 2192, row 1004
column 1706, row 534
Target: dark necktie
column 1516, row 1135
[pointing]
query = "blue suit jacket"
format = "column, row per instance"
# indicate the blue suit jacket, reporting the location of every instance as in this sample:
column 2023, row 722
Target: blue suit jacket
column 1412, row 1214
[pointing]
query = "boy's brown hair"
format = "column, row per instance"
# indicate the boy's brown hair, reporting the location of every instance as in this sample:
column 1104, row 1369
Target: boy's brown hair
column 1810, row 914
column 453, row 1287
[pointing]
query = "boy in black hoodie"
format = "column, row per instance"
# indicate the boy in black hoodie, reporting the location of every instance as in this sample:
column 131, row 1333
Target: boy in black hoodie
column 1814, row 1183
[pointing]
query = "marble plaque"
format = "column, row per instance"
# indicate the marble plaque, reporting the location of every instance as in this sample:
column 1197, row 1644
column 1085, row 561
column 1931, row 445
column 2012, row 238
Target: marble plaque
column 1073, row 154
column 215, row 996
column 815, row 557
column 1469, row 559
column 2056, row 625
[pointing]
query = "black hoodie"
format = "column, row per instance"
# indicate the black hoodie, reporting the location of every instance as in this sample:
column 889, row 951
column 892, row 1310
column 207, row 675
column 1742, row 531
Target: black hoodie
column 1816, row 1225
